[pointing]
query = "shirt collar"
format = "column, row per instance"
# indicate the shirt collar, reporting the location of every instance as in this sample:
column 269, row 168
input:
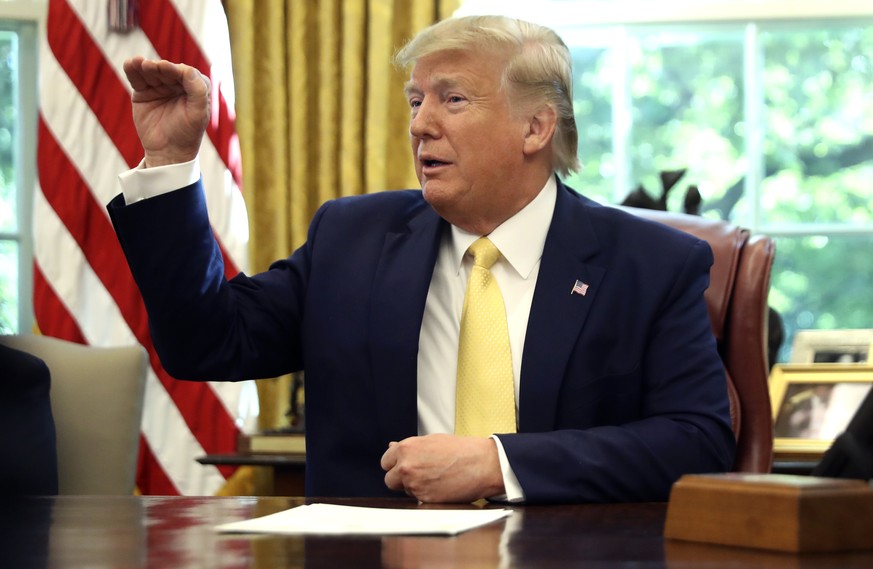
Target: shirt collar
column 520, row 238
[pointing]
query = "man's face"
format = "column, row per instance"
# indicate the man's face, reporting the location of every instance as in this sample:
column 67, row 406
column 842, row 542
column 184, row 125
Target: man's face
column 467, row 145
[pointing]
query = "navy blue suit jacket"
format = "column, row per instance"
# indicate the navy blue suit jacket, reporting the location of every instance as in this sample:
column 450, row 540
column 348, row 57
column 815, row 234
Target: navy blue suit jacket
column 622, row 390
column 27, row 427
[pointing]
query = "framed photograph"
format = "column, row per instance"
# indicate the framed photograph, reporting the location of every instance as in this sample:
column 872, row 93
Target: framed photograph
column 831, row 346
column 813, row 404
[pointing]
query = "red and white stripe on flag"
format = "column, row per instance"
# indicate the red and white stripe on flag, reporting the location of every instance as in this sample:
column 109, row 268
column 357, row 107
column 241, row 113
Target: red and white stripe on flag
column 83, row 290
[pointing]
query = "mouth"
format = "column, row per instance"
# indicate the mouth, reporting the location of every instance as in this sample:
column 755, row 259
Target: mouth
column 430, row 164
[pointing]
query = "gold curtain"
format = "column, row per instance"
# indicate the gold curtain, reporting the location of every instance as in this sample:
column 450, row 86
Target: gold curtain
column 320, row 114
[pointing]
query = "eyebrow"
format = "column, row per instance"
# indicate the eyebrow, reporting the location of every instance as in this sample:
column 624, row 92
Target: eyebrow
column 439, row 83
column 410, row 88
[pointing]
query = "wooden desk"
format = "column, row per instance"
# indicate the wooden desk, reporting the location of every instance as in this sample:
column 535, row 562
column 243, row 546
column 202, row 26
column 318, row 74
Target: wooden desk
column 175, row 532
column 289, row 470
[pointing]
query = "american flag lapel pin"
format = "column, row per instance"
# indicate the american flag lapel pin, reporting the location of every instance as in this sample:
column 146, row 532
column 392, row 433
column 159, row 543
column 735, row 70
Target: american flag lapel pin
column 579, row 288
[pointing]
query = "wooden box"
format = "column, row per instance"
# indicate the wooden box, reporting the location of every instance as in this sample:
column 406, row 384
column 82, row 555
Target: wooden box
column 772, row 511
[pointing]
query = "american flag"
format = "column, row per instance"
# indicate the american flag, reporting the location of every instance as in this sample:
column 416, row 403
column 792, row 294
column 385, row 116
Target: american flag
column 83, row 290
column 580, row 288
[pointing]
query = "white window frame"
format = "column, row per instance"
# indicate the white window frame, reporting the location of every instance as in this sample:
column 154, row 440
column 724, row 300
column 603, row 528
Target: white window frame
column 564, row 13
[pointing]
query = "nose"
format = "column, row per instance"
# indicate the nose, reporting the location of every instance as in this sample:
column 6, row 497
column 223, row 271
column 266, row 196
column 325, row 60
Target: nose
column 423, row 122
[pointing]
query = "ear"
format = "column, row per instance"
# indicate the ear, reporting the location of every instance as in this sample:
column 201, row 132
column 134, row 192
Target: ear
column 539, row 130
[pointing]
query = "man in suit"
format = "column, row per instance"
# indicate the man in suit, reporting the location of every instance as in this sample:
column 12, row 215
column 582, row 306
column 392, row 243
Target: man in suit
column 618, row 388
column 28, row 442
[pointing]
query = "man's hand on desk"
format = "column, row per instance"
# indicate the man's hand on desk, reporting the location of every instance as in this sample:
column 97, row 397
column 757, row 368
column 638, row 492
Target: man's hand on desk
column 444, row 468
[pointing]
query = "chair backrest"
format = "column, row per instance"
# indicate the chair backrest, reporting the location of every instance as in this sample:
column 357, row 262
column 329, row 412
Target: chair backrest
column 97, row 399
column 738, row 311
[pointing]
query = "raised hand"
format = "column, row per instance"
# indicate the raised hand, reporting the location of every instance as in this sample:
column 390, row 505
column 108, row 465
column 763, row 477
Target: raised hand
column 170, row 109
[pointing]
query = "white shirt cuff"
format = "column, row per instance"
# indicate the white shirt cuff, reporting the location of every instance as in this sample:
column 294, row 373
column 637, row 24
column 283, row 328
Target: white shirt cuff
column 514, row 493
column 142, row 183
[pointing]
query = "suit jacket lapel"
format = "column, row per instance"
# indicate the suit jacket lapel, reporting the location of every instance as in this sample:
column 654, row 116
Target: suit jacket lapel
column 400, row 290
column 557, row 314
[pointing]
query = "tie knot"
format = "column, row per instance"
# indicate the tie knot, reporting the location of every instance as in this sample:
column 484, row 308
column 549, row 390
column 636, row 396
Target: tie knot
column 484, row 252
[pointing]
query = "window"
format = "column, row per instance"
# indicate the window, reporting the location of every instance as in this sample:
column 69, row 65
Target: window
column 770, row 117
column 18, row 101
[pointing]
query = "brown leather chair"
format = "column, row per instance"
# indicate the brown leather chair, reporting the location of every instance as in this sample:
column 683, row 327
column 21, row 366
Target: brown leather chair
column 737, row 301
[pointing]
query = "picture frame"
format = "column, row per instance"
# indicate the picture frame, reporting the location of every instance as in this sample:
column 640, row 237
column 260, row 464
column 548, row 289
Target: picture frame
column 832, row 346
column 813, row 403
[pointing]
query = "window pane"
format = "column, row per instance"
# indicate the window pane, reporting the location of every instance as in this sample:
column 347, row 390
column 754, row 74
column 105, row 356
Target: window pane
column 593, row 75
column 17, row 150
column 8, row 122
column 822, row 282
column 818, row 148
column 8, row 287
column 686, row 92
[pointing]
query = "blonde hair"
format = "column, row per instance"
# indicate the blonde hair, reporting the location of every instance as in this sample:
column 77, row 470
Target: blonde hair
column 537, row 70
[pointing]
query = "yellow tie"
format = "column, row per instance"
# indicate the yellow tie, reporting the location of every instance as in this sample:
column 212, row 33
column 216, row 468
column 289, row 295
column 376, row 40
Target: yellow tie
column 485, row 397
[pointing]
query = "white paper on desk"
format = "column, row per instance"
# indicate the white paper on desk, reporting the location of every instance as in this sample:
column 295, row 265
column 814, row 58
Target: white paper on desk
column 355, row 520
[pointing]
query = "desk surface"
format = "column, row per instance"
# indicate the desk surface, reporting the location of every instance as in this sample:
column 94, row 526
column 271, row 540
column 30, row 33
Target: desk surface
column 143, row 532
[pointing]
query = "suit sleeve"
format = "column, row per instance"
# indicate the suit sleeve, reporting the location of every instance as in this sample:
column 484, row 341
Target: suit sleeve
column 678, row 424
column 206, row 327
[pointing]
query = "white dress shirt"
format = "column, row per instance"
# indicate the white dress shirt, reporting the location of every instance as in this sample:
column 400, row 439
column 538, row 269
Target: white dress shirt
column 520, row 240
